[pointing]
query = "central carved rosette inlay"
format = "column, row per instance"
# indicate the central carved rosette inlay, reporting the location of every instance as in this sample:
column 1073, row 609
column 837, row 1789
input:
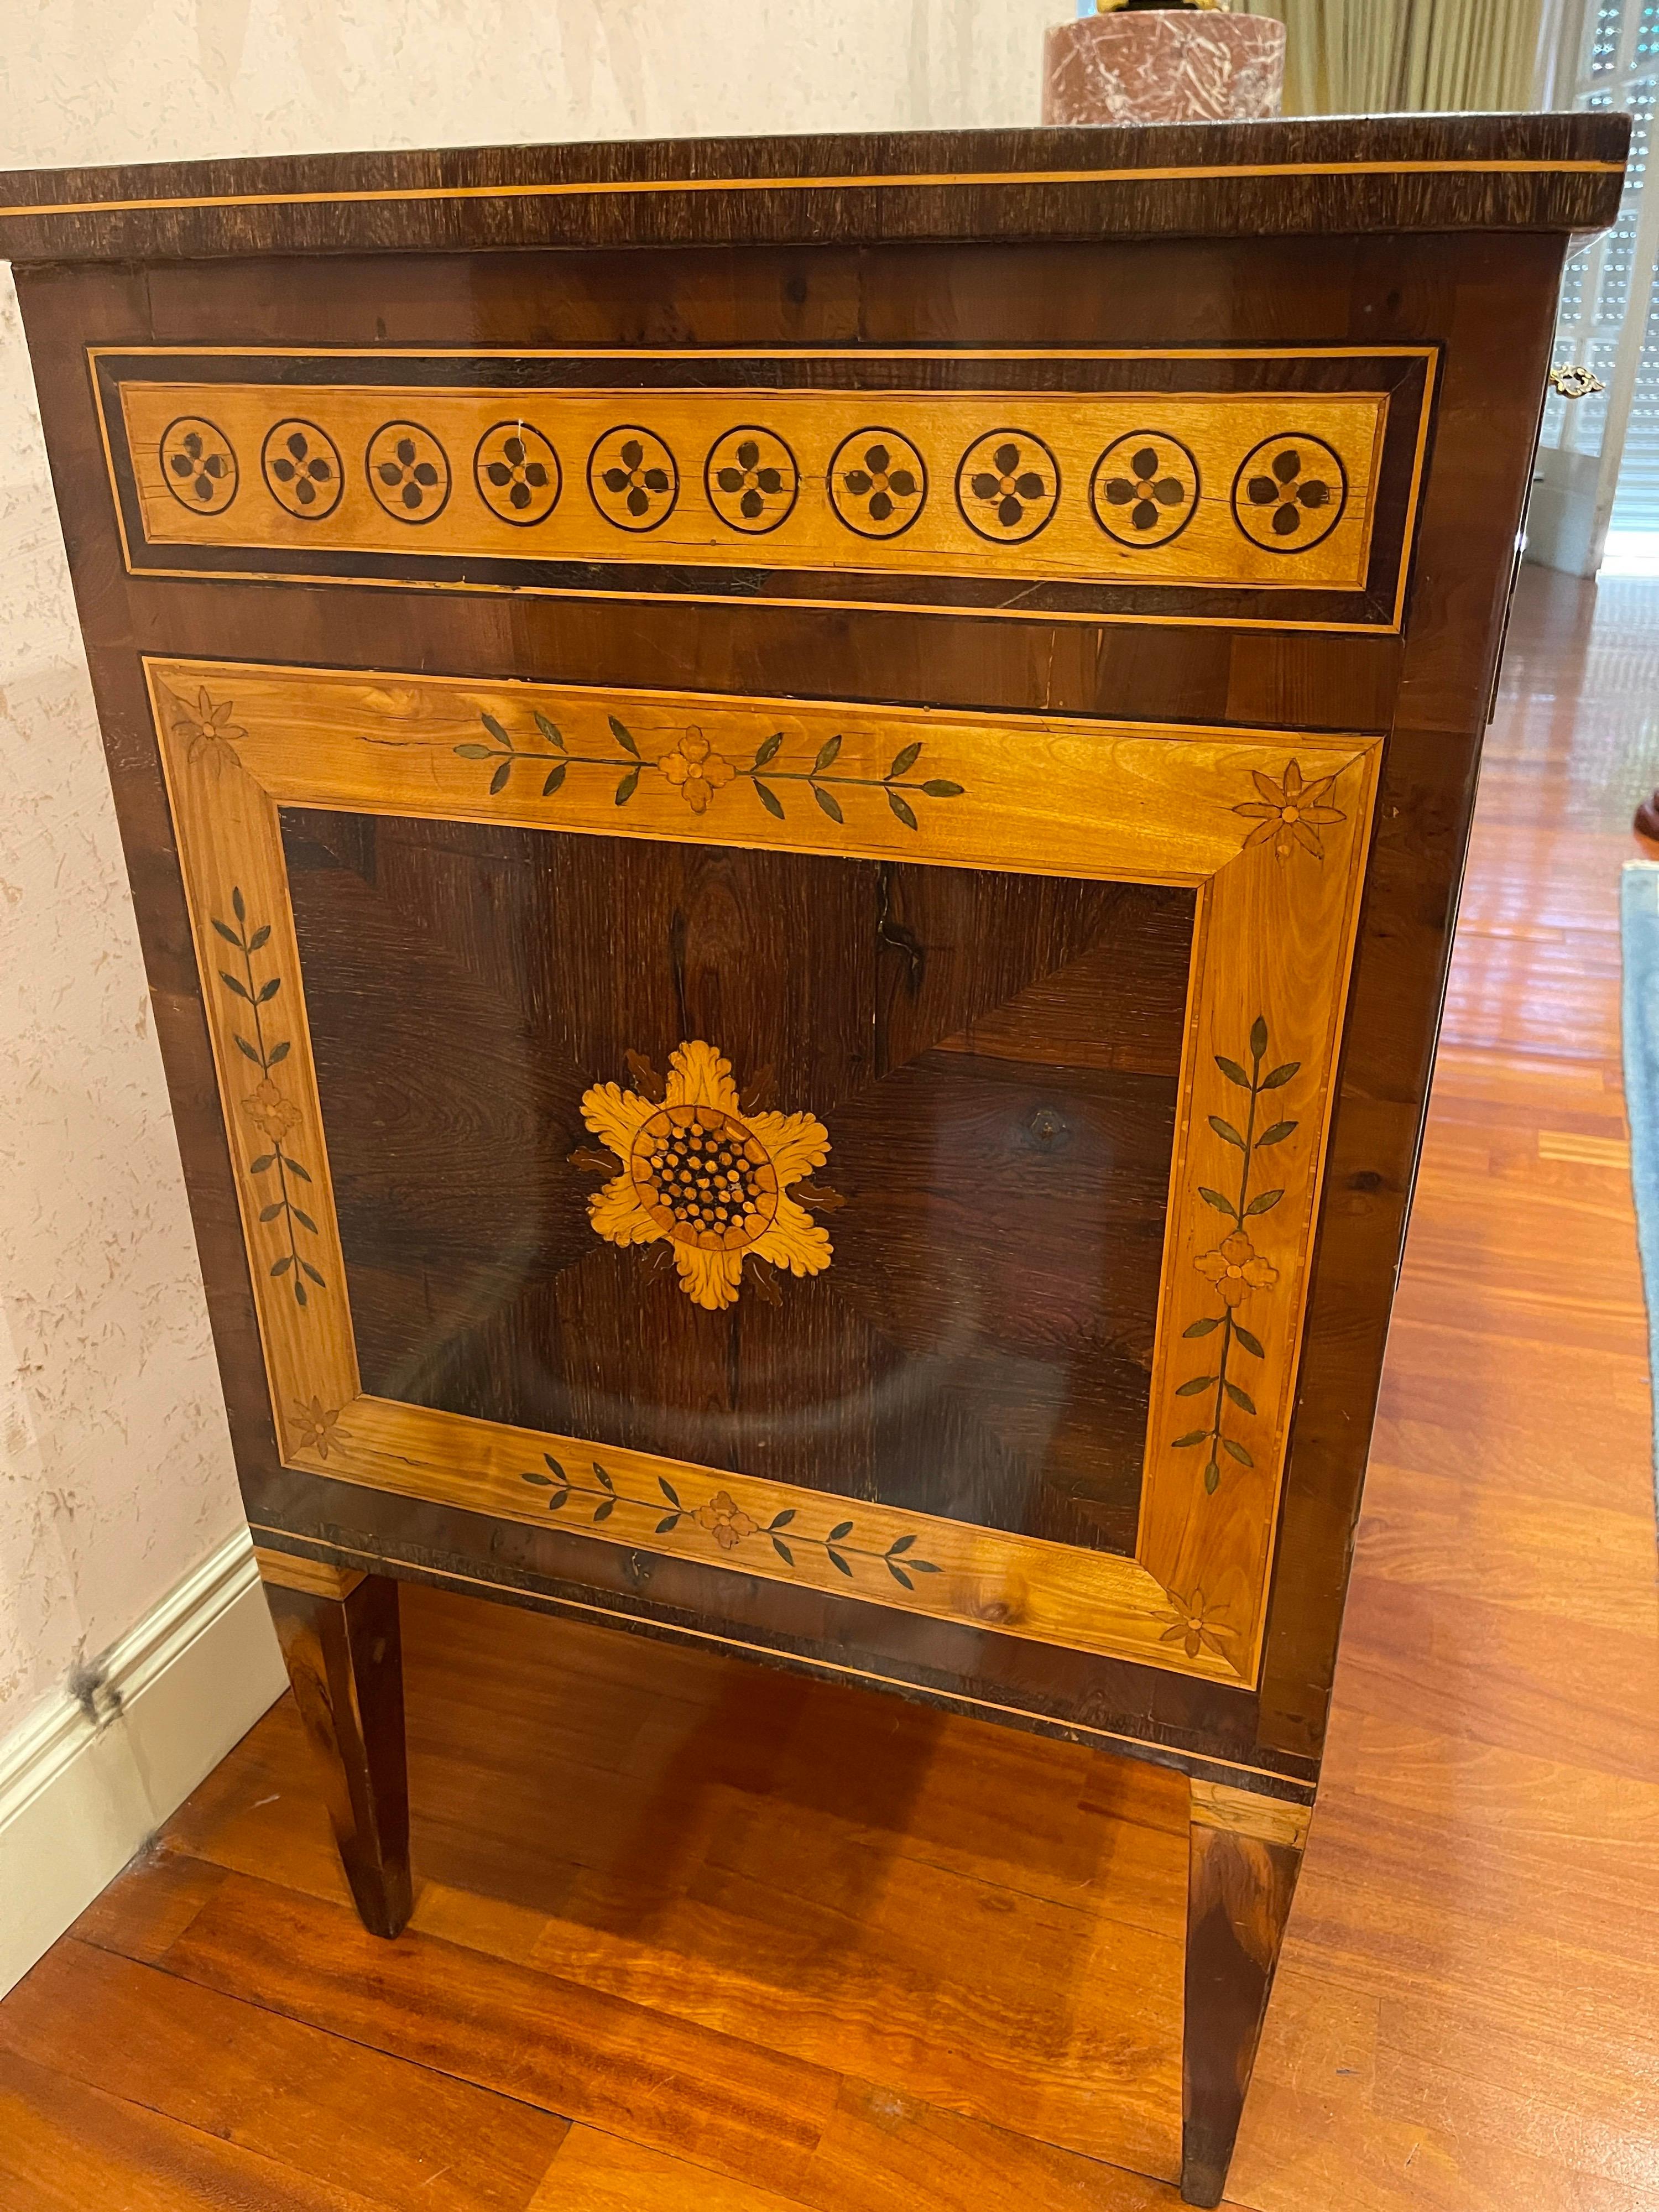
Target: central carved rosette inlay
column 707, row 1178
column 703, row 1178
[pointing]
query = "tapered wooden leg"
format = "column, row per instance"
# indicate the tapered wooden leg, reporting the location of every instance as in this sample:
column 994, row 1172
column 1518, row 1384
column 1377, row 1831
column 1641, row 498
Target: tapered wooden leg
column 340, row 1641
column 1245, row 1852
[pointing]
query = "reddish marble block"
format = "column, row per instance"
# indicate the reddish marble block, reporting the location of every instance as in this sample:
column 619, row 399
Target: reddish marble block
column 1162, row 66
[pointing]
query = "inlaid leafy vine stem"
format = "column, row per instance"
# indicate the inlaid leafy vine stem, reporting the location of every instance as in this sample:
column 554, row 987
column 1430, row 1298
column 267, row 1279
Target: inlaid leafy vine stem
column 727, row 1522
column 508, row 755
column 697, row 770
column 266, row 1105
column 1234, row 1266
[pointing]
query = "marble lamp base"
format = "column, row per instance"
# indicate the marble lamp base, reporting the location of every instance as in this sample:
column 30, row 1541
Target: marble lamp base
column 1166, row 65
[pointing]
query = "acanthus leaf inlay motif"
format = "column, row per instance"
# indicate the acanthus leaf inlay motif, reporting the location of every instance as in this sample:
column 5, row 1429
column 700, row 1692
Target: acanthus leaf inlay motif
column 707, row 1177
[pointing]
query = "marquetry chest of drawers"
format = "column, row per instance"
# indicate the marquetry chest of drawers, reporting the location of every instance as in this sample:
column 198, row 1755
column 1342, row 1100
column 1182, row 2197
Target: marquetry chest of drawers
column 796, row 808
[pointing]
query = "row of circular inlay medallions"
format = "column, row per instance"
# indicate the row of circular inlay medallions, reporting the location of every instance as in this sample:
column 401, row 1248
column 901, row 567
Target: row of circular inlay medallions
column 1289, row 491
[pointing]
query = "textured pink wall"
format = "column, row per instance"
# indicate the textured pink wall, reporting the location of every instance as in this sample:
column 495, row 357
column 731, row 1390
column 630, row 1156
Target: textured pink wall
column 115, row 1471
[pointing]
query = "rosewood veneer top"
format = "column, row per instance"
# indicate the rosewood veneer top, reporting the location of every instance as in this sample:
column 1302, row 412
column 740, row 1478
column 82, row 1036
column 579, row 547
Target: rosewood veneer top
column 1554, row 171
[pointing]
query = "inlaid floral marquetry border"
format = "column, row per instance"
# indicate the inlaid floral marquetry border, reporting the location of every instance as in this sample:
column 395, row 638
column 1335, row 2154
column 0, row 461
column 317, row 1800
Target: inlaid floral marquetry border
column 1203, row 488
column 1270, row 830
column 1241, row 485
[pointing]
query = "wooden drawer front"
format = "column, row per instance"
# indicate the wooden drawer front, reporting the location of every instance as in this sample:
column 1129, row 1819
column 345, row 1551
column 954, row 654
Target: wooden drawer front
column 977, row 1291
column 1250, row 486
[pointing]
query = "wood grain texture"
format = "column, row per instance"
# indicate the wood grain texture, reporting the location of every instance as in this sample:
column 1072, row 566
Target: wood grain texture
column 1022, row 1586
column 1482, row 297
column 714, row 1990
column 343, row 1657
column 556, row 2046
column 1263, row 1051
column 635, row 531
column 1281, row 835
column 1389, row 174
column 983, row 1046
column 64, row 2147
column 312, row 1577
column 1465, row 1945
column 171, row 306
column 1239, row 1899
column 1193, row 1723
column 250, row 965
column 148, row 1905
column 1400, row 966
column 1023, row 484
column 1241, row 1813
column 879, row 2153
column 1461, row 2022
column 1103, row 799
column 412, row 2140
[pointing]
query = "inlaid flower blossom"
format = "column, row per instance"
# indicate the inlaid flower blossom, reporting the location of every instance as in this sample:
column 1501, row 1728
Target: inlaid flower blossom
column 878, row 482
column 315, row 1428
column 712, row 1180
column 302, row 471
column 1289, row 493
column 1193, row 1627
column 752, row 479
column 268, row 1109
column 1145, row 491
column 199, row 464
column 634, row 478
column 695, row 769
column 209, row 735
column 1289, row 813
column 515, row 475
column 1007, row 485
column 408, row 471
column 519, row 475
column 726, row 1521
column 881, row 481
column 1236, row 1268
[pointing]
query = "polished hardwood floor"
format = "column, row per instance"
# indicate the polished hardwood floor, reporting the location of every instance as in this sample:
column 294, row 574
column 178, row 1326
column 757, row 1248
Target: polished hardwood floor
column 690, row 1937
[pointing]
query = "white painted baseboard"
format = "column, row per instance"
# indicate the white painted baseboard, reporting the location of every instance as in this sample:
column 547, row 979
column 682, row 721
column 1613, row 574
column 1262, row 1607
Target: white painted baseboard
column 86, row 1781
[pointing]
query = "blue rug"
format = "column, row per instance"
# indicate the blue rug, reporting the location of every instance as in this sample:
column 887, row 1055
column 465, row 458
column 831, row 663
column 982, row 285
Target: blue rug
column 1638, row 926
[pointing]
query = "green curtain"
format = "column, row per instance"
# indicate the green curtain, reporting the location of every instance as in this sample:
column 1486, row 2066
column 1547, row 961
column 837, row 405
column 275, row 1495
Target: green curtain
column 1379, row 57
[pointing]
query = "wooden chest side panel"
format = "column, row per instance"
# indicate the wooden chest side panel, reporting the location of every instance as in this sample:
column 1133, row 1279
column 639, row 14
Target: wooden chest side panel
column 1486, row 301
